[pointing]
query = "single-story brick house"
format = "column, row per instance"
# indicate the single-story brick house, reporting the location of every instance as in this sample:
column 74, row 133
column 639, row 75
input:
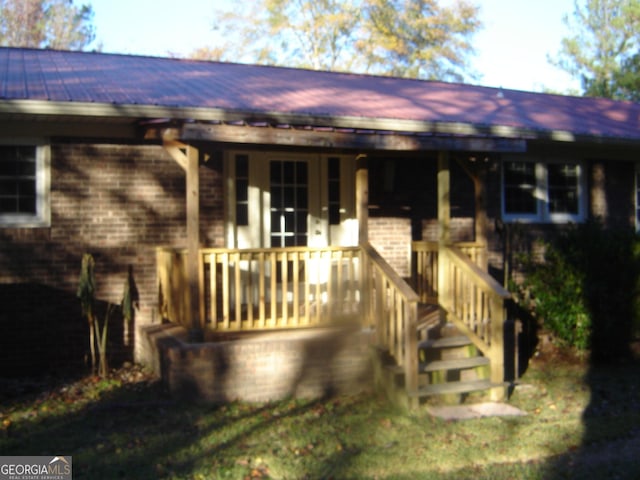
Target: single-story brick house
column 245, row 198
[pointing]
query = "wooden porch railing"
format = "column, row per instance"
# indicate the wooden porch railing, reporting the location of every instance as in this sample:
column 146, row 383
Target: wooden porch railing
column 476, row 303
column 425, row 265
column 393, row 307
column 257, row 289
column 261, row 289
column 473, row 300
column 279, row 288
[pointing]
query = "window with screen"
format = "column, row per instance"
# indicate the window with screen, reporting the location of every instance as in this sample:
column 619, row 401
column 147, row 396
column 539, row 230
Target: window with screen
column 550, row 191
column 23, row 185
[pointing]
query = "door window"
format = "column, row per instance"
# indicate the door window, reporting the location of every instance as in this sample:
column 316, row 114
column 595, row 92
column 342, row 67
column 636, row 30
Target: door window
column 289, row 186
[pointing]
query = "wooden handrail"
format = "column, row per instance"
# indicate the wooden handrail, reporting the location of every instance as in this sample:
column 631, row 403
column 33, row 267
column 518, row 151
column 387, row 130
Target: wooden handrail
column 425, row 265
column 393, row 307
column 476, row 303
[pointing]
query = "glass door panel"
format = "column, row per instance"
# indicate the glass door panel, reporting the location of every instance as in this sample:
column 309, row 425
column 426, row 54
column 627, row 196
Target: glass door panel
column 289, row 186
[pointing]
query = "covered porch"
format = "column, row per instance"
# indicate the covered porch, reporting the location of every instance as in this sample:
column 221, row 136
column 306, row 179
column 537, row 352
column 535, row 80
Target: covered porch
column 286, row 289
column 216, row 291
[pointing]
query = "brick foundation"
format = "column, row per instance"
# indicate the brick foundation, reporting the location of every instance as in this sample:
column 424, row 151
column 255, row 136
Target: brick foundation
column 261, row 367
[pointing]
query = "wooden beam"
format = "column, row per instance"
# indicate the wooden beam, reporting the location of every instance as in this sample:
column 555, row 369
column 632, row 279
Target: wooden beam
column 363, row 140
column 179, row 152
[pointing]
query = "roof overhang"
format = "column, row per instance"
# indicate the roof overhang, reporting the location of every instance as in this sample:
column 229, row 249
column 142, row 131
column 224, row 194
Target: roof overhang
column 212, row 124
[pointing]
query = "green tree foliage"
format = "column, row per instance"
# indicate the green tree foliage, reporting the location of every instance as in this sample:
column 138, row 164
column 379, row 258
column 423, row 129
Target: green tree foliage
column 57, row 24
column 412, row 38
column 419, row 39
column 627, row 80
column 602, row 47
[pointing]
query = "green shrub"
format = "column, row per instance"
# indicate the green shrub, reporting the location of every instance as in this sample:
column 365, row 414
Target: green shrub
column 586, row 289
column 556, row 289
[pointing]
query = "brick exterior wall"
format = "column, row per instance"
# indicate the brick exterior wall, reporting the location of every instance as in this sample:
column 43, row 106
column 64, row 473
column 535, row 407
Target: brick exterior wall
column 262, row 367
column 391, row 237
column 117, row 202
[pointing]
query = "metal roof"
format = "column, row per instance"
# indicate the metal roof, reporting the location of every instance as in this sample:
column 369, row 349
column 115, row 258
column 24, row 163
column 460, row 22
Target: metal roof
column 82, row 83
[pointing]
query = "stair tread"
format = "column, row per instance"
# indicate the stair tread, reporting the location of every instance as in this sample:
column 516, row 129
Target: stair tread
column 452, row 387
column 428, row 316
column 446, row 342
column 436, row 365
column 454, row 364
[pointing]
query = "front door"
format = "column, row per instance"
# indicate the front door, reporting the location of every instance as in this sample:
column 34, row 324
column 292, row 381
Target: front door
column 285, row 200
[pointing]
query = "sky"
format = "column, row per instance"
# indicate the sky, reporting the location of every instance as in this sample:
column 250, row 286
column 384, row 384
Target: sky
column 512, row 48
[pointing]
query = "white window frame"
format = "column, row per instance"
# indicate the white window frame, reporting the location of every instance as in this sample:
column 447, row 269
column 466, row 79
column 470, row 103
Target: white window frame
column 541, row 194
column 42, row 217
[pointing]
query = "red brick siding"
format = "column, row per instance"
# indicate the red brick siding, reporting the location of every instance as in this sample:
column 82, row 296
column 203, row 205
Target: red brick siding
column 116, row 202
column 391, row 236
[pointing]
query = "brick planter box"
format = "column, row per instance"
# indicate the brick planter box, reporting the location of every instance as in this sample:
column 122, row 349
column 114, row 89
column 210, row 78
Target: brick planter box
column 259, row 367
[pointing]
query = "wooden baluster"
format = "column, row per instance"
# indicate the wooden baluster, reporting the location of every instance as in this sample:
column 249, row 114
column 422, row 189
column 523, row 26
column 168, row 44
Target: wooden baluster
column 225, row 291
column 318, row 294
column 274, row 289
column 307, row 287
column 249, row 289
column 285, row 287
column 261, row 288
column 213, row 289
column 237, row 272
column 296, row 288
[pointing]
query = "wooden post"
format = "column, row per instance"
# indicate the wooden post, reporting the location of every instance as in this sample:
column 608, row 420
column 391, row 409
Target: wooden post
column 444, row 223
column 444, row 199
column 479, row 186
column 477, row 171
column 362, row 215
column 193, row 243
column 362, row 199
column 411, row 348
column 496, row 356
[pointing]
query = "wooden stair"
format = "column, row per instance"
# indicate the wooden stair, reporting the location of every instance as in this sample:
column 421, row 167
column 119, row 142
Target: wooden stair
column 450, row 365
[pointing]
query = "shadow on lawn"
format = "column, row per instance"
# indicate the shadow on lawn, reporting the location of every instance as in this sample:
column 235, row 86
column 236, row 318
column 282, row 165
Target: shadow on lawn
column 608, row 263
column 135, row 430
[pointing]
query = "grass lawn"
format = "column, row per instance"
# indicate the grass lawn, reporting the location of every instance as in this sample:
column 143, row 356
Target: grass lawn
column 581, row 423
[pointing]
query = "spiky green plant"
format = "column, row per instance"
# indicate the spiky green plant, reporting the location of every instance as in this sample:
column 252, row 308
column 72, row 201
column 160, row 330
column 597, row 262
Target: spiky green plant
column 97, row 336
column 86, row 294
